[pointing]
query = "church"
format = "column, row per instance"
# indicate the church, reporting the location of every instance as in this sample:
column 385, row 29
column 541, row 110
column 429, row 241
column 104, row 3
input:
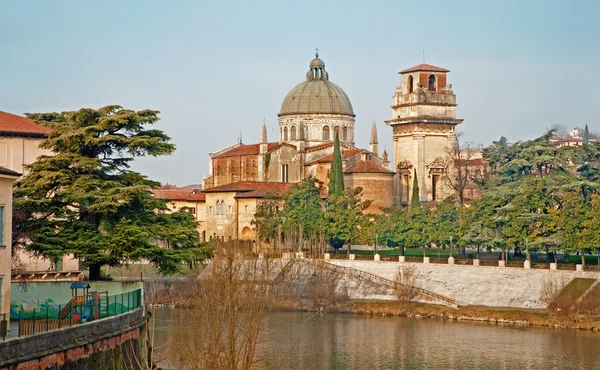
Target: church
column 311, row 114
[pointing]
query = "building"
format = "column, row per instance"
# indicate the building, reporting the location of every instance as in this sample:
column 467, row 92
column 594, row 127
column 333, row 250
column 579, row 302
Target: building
column 7, row 178
column 575, row 138
column 231, row 208
column 423, row 122
column 190, row 199
column 20, row 138
column 311, row 114
column 19, row 142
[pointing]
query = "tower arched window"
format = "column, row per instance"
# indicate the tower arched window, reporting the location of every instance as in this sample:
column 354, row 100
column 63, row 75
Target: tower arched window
column 293, row 133
column 336, row 130
column 410, row 84
column 326, row 133
column 432, row 84
column 345, row 133
column 285, row 134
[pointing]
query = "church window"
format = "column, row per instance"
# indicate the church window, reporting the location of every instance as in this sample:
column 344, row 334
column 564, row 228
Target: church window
column 326, row 133
column 209, row 209
column 432, row 83
column 410, row 84
column 345, row 133
column 293, row 133
column 246, row 209
column 285, row 134
column 230, row 209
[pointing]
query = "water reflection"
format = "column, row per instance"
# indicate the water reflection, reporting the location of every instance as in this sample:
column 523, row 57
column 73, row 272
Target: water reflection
column 338, row 341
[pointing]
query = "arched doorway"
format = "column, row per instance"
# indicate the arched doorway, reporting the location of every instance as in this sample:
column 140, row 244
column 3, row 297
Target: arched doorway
column 246, row 233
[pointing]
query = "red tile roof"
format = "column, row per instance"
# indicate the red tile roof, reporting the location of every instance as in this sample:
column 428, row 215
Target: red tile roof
column 317, row 147
column 367, row 167
column 425, row 68
column 13, row 124
column 252, row 189
column 345, row 155
column 6, row 171
column 180, row 195
column 243, row 149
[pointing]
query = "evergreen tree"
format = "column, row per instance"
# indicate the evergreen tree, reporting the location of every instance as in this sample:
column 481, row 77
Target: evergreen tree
column 336, row 176
column 85, row 200
column 415, row 201
column 586, row 135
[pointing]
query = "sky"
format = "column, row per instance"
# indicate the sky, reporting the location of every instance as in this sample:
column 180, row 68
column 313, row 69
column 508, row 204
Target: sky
column 216, row 69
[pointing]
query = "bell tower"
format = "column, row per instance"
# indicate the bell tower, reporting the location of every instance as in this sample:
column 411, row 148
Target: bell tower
column 423, row 122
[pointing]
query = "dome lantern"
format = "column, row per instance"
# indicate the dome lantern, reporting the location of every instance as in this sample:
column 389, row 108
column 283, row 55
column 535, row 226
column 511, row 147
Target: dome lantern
column 319, row 106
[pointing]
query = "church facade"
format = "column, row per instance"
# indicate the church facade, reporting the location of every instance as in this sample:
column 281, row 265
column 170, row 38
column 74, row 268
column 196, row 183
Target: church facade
column 311, row 115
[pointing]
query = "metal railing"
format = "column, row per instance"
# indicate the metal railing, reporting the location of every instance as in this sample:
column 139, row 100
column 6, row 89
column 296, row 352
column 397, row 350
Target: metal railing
column 387, row 282
column 93, row 307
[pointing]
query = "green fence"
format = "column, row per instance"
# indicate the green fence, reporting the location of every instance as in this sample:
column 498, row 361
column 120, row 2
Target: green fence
column 92, row 307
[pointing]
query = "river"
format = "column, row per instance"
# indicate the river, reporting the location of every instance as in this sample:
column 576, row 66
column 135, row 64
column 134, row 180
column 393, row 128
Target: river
column 295, row 340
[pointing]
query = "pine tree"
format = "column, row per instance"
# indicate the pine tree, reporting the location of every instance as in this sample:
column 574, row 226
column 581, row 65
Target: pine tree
column 415, row 201
column 336, row 178
column 586, row 135
column 85, row 200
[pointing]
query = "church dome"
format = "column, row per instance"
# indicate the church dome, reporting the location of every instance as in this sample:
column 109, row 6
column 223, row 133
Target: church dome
column 317, row 95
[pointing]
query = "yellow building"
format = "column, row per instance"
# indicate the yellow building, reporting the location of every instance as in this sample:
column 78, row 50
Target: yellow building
column 231, row 208
column 7, row 177
column 193, row 201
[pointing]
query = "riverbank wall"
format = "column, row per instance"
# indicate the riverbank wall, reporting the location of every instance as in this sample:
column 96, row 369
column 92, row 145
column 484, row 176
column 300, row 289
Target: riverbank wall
column 475, row 285
column 112, row 343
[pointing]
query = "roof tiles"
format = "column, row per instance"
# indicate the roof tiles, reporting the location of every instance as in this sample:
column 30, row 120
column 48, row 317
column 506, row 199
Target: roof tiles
column 425, row 68
column 13, row 124
column 367, row 167
column 179, row 194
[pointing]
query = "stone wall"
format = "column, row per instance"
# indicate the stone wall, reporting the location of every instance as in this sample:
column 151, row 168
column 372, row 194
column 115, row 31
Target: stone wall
column 471, row 285
column 377, row 187
column 112, row 343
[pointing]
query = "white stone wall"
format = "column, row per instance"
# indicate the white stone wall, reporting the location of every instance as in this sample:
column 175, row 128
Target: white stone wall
column 471, row 285
column 421, row 148
column 314, row 124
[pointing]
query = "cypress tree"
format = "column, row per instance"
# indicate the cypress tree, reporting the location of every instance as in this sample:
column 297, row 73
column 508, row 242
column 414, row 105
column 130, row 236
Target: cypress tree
column 586, row 135
column 336, row 177
column 415, row 202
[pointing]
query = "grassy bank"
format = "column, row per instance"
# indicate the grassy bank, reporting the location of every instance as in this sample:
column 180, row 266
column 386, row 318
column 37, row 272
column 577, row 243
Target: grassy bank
column 497, row 315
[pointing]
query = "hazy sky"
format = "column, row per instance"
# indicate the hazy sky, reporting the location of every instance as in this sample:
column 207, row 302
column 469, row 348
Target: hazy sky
column 215, row 68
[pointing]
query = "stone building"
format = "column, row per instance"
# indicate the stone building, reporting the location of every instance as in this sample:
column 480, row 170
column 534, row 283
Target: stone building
column 311, row 114
column 423, row 123
column 7, row 178
column 230, row 208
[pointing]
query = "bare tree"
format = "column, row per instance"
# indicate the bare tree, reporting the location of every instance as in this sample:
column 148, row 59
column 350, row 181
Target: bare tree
column 222, row 330
column 405, row 283
column 462, row 168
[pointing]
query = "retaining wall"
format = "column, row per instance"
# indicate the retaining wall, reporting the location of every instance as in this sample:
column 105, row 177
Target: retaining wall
column 113, row 343
column 475, row 285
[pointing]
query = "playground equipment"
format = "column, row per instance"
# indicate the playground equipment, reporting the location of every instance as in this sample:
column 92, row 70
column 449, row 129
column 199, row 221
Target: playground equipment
column 82, row 307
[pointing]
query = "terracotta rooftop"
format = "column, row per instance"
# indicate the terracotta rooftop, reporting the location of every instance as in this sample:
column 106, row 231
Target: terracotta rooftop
column 243, row 149
column 13, row 124
column 425, row 68
column 179, row 194
column 367, row 167
column 328, row 158
column 252, row 189
column 6, row 171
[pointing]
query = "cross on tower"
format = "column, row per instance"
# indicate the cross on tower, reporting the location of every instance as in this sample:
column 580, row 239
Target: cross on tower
column 317, row 52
